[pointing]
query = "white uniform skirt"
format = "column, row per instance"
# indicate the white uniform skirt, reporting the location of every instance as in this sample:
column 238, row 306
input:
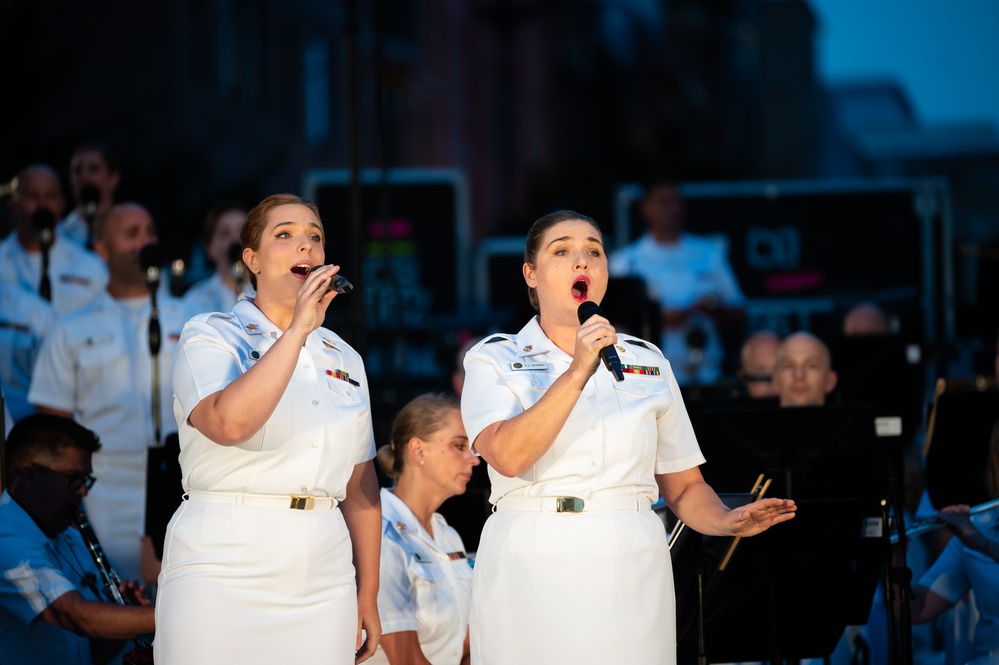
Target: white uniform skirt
column 248, row 584
column 576, row 588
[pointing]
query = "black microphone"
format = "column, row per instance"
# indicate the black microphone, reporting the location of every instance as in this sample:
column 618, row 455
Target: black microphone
column 151, row 258
column 235, row 256
column 44, row 222
column 90, row 197
column 608, row 354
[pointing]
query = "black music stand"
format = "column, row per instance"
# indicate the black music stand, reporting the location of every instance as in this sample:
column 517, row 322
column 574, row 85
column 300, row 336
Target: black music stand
column 786, row 594
column 957, row 445
column 809, row 452
column 884, row 371
column 164, row 489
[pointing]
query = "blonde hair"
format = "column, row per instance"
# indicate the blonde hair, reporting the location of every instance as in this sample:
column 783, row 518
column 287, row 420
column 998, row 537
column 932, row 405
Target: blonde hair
column 420, row 418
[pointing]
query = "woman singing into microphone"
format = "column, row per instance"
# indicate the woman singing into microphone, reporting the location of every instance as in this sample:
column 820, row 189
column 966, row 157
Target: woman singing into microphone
column 573, row 567
column 276, row 449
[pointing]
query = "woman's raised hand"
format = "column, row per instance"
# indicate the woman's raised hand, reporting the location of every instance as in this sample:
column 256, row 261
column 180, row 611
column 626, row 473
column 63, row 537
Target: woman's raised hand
column 593, row 334
column 313, row 299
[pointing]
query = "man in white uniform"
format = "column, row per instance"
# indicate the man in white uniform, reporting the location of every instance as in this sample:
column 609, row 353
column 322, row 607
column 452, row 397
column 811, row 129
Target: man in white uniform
column 690, row 278
column 76, row 276
column 93, row 165
column 96, row 367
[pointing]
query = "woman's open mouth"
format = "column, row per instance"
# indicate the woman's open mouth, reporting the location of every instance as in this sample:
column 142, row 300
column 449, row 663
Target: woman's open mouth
column 580, row 288
column 302, row 269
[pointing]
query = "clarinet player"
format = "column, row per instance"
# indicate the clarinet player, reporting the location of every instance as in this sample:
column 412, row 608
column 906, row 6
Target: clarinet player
column 51, row 590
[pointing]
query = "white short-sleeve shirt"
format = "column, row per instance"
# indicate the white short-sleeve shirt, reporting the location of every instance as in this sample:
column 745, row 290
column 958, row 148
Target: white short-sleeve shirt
column 425, row 583
column 319, row 430
column 77, row 275
column 678, row 276
column 25, row 319
column 97, row 365
column 618, row 436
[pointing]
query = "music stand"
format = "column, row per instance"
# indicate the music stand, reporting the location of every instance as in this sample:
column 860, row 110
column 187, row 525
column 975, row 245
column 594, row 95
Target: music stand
column 808, row 452
column 883, row 371
column 957, row 443
column 164, row 489
column 787, row 593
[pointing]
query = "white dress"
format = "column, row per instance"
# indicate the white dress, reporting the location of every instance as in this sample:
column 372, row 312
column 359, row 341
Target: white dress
column 247, row 579
column 425, row 583
column 588, row 587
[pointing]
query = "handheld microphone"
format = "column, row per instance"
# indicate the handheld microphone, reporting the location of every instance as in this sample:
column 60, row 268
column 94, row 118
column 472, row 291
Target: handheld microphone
column 608, row 354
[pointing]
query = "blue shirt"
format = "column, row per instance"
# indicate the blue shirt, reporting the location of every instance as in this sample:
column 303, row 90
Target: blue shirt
column 35, row 570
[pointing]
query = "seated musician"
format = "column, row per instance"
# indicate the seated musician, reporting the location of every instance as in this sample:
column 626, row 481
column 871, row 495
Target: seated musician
column 969, row 562
column 425, row 593
column 803, row 375
column 51, row 609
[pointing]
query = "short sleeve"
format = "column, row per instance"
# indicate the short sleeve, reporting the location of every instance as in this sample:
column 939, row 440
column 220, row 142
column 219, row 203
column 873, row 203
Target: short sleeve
column 396, row 604
column 52, row 382
column 29, row 582
column 676, row 448
column 728, row 286
column 365, row 429
column 947, row 577
column 485, row 397
column 203, row 363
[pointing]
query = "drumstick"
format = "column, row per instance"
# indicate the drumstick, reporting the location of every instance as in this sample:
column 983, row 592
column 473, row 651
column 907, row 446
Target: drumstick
column 735, row 541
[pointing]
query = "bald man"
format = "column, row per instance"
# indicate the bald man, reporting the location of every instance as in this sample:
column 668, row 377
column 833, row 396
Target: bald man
column 803, row 375
column 758, row 360
column 865, row 319
column 96, row 367
column 76, row 276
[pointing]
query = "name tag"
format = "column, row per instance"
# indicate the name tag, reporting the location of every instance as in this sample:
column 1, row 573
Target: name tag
column 526, row 365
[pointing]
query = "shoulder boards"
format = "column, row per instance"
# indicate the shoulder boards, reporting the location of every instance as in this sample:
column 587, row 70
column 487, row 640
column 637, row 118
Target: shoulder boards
column 498, row 338
column 636, row 342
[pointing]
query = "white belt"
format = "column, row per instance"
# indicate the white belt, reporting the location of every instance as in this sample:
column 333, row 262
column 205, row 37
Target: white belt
column 292, row 501
column 572, row 504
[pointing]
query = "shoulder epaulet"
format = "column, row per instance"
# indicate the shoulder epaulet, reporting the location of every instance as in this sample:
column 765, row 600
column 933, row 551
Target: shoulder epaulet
column 636, row 342
column 497, row 338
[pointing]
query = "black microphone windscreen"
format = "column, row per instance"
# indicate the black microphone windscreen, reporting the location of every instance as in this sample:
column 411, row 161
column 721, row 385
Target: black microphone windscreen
column 235, row 252
column 90, row 195
column 588, row 308
column 43, row 219
column 151, row 256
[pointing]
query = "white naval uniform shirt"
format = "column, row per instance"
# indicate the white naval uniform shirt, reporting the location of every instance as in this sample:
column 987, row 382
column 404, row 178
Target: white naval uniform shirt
column 74, row 227
column 96, row 365
column 212, row 295
column 78, row 276
column 424, row 584
column 25, row 319
column 319, row 430
column 618, row 436
column 678, row 276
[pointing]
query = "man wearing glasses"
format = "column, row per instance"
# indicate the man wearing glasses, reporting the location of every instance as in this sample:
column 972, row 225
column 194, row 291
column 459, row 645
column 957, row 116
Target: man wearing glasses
column 51, row 592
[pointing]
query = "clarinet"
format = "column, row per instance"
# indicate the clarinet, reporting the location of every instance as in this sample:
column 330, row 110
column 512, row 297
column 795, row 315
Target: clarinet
column 109, row 577
column 112, row 583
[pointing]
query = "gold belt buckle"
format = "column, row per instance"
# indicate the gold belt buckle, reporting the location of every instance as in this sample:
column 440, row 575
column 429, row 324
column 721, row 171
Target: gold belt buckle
column 568, row 504
column 302, row 503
